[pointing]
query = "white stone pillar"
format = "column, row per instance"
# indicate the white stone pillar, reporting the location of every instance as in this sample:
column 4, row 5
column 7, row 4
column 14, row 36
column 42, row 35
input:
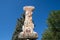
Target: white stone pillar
column 28, row 24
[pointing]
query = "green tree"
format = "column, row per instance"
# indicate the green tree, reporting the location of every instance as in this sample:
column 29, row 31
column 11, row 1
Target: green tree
column 53, row 31
column 18, row 29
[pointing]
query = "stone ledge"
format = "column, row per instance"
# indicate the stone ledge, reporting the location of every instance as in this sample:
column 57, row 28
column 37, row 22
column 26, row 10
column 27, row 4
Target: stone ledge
column 33, row 35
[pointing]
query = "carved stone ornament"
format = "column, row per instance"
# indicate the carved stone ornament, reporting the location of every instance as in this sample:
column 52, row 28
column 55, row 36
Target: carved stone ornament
column 28, row 26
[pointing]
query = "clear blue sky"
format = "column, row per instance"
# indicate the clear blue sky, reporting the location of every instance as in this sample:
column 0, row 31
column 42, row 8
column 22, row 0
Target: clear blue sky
column 10, row 10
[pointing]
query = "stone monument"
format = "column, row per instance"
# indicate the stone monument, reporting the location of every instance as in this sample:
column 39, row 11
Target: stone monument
column 28, row 26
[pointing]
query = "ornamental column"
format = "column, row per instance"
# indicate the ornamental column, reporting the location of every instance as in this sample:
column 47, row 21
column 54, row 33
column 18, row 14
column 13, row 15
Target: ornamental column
column 28, row 26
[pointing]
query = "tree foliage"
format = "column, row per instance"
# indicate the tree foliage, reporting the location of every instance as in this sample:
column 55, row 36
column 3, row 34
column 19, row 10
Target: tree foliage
column 18, row 29
column 53, row 31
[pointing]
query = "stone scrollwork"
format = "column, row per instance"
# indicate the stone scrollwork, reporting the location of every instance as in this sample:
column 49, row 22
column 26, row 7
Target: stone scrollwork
column 28, row 26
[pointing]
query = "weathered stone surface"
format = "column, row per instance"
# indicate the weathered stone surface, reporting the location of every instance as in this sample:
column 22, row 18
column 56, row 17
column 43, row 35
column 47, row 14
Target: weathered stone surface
column 28, row 26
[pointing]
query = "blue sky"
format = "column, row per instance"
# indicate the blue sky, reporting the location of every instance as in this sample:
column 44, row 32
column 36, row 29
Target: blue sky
column 10, row 10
